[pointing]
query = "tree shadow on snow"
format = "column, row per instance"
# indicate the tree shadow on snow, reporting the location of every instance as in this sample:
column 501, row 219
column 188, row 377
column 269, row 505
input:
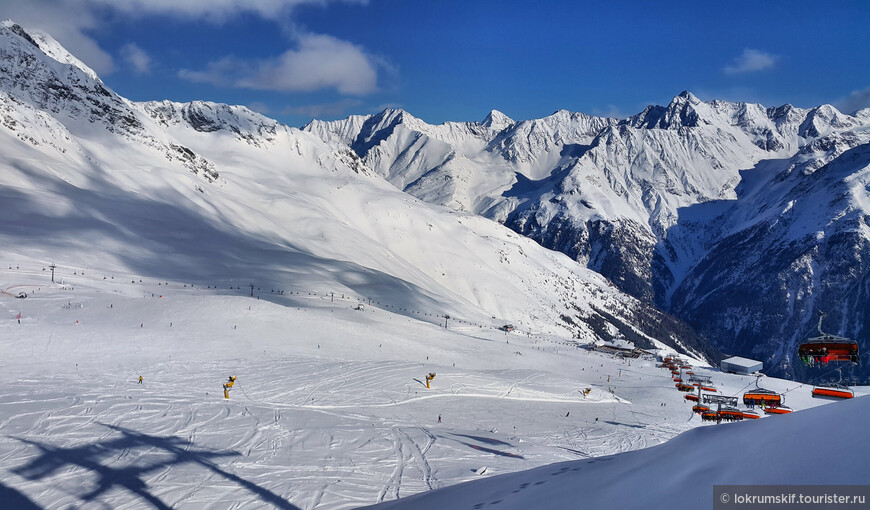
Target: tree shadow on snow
column 98, row 458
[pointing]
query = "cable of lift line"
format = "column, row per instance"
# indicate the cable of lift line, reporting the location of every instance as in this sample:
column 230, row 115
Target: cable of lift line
column 741, row 389
column 846, row 293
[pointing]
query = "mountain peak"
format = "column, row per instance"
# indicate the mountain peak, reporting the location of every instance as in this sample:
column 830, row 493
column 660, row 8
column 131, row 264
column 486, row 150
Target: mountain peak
column 686, row 95
column 17, row 29
column 48, row 45
column 684, row 110
column 497, row 120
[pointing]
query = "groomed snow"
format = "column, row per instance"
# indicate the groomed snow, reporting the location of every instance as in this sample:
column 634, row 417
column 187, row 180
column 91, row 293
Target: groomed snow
column 815, row 447
column 330, row 408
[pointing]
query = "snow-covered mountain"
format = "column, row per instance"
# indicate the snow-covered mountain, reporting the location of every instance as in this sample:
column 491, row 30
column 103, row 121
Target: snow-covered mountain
column 651, row 203
column 196, row 241
column 179, row 191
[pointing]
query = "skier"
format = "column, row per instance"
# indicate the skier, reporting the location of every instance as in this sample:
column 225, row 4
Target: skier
column 439, row 418
column 140, row 379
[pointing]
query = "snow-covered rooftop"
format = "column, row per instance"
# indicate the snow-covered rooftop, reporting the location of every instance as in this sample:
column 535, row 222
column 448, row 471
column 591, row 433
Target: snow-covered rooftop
column 743, row 362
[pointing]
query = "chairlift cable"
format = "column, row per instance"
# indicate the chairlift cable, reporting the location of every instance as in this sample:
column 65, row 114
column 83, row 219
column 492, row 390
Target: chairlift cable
column 807, row 332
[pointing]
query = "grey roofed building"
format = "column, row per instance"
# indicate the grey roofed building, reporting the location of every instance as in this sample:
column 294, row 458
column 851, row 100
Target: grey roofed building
column 738, row 365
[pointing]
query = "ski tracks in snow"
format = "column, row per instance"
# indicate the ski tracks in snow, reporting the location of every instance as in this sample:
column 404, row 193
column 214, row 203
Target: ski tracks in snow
column 409, row 457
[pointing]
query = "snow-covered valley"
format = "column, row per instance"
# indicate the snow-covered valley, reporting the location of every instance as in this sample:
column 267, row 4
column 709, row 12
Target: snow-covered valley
column 330, row 408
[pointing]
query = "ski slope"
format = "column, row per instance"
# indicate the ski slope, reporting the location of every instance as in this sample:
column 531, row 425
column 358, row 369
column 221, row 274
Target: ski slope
column 682, row 473
column 330, row 408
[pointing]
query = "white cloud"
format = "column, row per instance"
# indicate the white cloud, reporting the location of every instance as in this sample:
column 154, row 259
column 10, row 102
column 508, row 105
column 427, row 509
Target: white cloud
column 137, row 58
column 751, row 61
column 855, row 101
column 213, row 9
column 69, row 21
column 319, row 62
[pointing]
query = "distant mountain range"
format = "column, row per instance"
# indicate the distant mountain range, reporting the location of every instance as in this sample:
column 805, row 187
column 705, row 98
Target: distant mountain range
column 219, row 195
column 742, row 220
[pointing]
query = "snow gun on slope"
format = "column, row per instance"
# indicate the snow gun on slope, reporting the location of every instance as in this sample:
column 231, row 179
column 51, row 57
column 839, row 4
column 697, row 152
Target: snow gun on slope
column 231, row 380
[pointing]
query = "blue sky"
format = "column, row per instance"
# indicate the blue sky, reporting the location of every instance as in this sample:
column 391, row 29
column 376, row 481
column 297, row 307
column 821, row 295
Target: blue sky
column 456, row 60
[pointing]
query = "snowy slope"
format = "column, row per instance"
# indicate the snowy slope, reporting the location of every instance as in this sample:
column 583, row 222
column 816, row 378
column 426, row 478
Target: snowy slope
column 220, row 188
column 329, row 409
column 646, row 202
column 682, row 472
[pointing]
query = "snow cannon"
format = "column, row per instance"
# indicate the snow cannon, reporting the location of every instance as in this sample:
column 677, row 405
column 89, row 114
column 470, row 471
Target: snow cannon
column 231, row 380
column 429, row 378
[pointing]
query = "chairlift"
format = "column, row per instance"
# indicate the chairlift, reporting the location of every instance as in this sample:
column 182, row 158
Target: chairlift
column 759, row 396
column 729, row 413
column 835, row 390
column 827, row 348
column 719, row 399
column 777, row 410
column 710, row 415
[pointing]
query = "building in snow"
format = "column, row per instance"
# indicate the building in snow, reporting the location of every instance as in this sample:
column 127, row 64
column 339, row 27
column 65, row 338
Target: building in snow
column 738, row 365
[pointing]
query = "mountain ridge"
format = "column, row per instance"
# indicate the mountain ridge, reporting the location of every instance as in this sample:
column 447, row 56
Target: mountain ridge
column 168, row 189
column 641, row 199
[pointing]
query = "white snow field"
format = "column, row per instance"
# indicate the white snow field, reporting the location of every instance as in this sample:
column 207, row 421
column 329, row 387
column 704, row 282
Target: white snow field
column 330, row 408
column 195, row 242
column 825, row 446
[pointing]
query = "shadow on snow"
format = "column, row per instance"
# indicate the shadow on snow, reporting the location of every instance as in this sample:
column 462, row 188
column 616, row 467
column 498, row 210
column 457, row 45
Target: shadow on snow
column 97, row 458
